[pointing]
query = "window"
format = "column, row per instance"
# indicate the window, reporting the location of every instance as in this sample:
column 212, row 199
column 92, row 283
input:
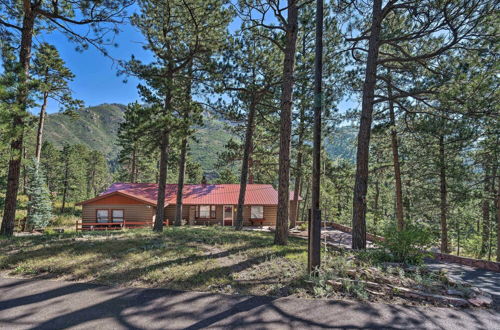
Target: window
column 117, row 215
column 206, row 212
column 257, row 212
column 102, row 215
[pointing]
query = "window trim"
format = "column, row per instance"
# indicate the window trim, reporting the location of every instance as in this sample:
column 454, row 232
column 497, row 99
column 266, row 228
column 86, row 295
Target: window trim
column 261, row 218
column 123, row 216
column 97, row 215
column 210, row 209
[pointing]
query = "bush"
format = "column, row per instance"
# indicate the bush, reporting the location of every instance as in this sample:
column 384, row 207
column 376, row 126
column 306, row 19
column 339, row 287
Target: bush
column 39, row 204
column 407, row 245
column 302, row 226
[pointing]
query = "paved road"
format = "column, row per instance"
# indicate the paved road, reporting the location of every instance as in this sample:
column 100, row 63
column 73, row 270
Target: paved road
column 44, row 304
column 485, row 279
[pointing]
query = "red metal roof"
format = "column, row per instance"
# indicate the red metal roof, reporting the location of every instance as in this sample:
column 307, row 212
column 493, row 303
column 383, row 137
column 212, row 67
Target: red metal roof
column 205, row 194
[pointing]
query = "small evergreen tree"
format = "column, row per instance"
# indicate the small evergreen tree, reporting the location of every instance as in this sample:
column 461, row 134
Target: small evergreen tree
column 40, row 205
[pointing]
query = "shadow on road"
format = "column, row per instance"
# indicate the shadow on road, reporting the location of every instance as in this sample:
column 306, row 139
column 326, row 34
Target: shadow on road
column 43, row 304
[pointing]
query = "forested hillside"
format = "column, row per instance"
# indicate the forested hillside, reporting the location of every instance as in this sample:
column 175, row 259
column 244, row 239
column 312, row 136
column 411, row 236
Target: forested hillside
column 97, row 127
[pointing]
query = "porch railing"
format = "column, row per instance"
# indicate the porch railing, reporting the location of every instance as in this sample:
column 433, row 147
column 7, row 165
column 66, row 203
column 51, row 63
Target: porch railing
column 81, row 225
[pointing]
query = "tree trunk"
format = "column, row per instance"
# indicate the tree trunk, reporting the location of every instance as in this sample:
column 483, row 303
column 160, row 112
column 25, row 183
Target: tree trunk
column 39, row 133
column 300, row 143
column 164, row 154
column 251, row 177
column 245, row 163
column 16, row 145
column 395, row 159
column 304, row 202
column 485, row 235
column 65, row 186
column 133, row 165
column 361, row 181
column 297, row 185
column 443, row 195
column 281, row 234
column 24, row 171
column 315, row 231
column 498, row 220
column 162, row 180
column 180, row 182
column 376, row 204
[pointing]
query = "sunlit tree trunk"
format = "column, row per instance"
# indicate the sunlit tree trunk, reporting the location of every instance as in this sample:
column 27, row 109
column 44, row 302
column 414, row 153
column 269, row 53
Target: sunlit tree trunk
column 245, row 162
column 396, row 164
column 281, row 234
column 180, row 182
column 162, row 180
column 361, row 180
column 39, row 133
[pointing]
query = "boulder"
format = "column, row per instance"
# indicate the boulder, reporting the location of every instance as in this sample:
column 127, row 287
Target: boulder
column 481, row 301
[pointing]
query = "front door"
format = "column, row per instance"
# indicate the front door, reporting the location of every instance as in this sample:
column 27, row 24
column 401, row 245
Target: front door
column 228, row 215
column 192, row 214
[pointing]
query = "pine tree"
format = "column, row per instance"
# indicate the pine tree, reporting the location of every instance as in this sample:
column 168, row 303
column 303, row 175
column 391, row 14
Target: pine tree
column 178, row 32
column 39, row 205
column 52, row 77
column 21, row 23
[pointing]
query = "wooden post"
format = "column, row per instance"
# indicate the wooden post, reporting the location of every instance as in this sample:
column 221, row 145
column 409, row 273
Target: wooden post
column 315, row 223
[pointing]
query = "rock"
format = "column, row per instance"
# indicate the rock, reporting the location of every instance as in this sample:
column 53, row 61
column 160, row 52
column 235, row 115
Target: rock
column 453, row 281
column 405, row 292
column 335, row 284
column 375, row 293
column 352, row 272
column 480, row 301
column 453, row 292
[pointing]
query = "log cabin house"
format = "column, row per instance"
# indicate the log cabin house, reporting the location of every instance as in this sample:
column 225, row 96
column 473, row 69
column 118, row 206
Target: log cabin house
column 134, row 204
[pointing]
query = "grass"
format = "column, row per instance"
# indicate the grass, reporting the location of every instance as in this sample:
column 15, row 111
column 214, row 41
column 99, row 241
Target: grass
column 189, row 258
column 210, row 259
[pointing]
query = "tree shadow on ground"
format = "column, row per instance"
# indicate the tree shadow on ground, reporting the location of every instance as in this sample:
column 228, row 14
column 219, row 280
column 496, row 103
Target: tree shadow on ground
column 54, row 305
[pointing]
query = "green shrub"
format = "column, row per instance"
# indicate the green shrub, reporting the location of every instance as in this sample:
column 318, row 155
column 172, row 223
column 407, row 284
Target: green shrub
column 302, row 226
column 407, row 245
column 374, row 256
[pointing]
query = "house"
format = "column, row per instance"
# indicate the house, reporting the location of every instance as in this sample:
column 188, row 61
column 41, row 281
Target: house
column 125, row 204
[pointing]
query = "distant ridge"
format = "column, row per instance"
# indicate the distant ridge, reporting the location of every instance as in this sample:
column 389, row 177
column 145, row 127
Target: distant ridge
column 97, row 128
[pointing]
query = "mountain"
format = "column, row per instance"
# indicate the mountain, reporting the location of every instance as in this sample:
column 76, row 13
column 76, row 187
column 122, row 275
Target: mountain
column 97, row 128
column 342, row 143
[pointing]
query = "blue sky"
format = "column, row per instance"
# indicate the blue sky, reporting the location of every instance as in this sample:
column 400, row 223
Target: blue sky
column 96, row 80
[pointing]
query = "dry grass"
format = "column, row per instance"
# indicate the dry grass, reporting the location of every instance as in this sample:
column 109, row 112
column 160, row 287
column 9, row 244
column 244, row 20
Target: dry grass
column 213, row 259
column 189, row 258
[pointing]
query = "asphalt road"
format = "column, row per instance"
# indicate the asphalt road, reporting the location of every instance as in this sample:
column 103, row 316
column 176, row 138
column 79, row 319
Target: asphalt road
column 486, row 280
column 44, row 304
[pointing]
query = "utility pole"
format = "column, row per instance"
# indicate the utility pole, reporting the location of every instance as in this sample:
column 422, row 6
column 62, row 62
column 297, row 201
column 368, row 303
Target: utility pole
column 314, row 259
